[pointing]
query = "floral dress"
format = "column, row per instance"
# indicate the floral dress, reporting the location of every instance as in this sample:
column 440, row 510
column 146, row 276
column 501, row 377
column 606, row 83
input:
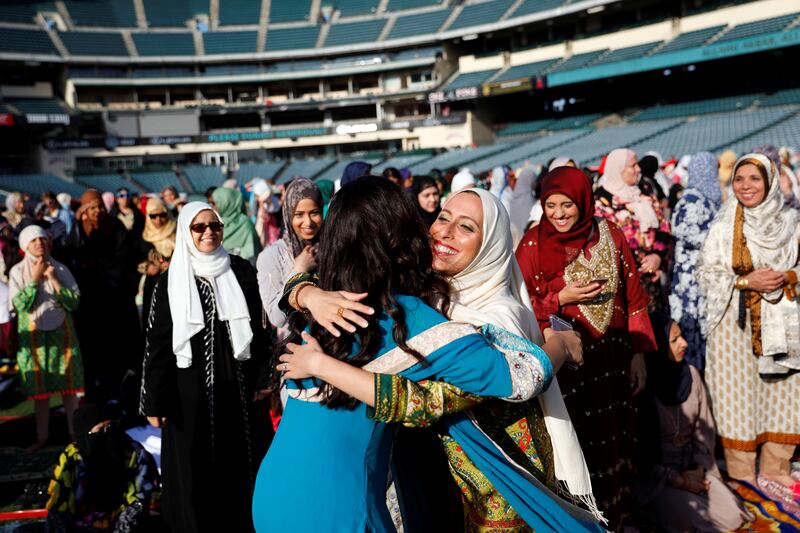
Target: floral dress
column 691, row 222
column 642, row 243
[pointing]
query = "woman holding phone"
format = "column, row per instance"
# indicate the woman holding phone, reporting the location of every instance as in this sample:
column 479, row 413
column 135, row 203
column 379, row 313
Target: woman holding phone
column 582, row 270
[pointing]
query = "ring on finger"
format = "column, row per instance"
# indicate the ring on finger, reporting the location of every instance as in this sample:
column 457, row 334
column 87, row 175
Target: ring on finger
column 340, row 312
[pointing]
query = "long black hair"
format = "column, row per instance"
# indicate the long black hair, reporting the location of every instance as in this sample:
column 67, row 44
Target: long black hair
column 373, row 241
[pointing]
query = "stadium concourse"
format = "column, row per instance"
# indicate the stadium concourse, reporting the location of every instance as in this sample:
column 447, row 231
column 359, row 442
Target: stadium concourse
column 117, row 114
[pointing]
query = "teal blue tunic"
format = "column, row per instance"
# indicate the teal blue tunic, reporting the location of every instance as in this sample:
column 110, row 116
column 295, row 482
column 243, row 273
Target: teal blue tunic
column 327, row 469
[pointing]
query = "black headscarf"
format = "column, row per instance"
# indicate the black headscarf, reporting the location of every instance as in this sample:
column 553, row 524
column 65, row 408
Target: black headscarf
column 103, row 454
column 648, row 184
column 671, row 381
column 420, row 184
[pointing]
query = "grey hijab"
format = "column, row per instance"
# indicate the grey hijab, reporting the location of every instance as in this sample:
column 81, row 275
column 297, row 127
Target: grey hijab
column 299, row 189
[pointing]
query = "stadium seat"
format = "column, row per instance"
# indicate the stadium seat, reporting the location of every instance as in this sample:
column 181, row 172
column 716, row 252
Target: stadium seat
column 786, row 131
column 85, row 43
column 289, row 11
column 38, row 184
column 355, row 32
column 480, row 13
column 351, row 8
column 291, row 38
column 580, row 121
column 469, row 79
column 697, row 107
column 106, row 182
column 516, row 154
column 230, row 42
column 201, row 177
column 24, row 11
column 631, row 52
column 714, row 132
column 399, row 5
column 758, row 27
column 306, row 168
column 102, row 13
column 691, row 39
column 578, row 61
column 159, row 44
column 524, row 128
column 785, row 97
column 26, row 41
column 458, row 158
column 334, row 172
column 534, row 6
column 401, row 160
column 156, row 180
column 419, row 24
column 36, row 105
column 264, row 170
column 239, row 12
column 528, row 70
column 169, row 13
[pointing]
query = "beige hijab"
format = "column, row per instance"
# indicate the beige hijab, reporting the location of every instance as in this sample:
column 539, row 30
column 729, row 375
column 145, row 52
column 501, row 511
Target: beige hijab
column 630, row 195
column 163, row 238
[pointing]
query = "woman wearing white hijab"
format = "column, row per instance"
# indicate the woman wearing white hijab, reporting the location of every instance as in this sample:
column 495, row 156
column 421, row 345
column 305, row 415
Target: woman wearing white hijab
column 43, row 293
column 463, row 180
column 749, row 271
column 500, row 186
column 490, row 290
column 640, row 218
column 204, row 362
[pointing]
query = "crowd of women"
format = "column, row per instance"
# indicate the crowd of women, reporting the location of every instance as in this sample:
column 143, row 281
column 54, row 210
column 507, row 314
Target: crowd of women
column 549, row 349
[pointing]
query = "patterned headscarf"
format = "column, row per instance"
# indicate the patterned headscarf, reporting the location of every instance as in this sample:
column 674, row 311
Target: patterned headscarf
column 704, row 177
column 299, row 189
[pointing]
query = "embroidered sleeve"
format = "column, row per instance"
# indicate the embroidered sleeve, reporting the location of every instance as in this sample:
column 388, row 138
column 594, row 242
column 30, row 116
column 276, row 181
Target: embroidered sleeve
column 530, row 368
column 158, row 364
column 23, row 300
column 62, row 486
column 68, row 299
column 398, row 399
column 303, row 277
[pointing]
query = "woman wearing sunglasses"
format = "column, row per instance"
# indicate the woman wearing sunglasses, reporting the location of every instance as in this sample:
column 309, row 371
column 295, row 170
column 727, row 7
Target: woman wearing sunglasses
column 205, row 360
column 159, row 243
column 125, row 210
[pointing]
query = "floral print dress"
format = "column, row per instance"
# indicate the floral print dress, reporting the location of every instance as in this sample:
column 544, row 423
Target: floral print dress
column 691, row 222
column 643, row 243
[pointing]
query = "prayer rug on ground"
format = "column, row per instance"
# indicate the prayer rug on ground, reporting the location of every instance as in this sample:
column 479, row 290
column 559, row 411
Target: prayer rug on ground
column 771, row 516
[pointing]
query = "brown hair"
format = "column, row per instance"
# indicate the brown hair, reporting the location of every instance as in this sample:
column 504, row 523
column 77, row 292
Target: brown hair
column 756, row 163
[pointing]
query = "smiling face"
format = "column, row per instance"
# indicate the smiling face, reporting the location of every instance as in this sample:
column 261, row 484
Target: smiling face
column 631, row 170
column 95, row 210
column 37, row 247
column 677, row 344
column 428, row 199
column 306, row 219
column 561, row 211
column 457, row 234
column 208, row 240
column 749, row 185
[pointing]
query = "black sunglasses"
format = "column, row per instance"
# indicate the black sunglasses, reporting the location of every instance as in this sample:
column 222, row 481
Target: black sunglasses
column 123, row 195
column 154, row 216
column 201, row 228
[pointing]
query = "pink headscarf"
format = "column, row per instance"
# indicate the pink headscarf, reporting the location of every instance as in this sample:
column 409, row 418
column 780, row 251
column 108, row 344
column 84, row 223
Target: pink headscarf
column 629, row 195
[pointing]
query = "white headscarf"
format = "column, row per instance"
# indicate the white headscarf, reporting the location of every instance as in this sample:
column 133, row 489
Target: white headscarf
column 523, row 198
column 491, row 290
column 184, row 299
column 559, row 162
column 463, row 180
column 46, row 314
column 500, row 187
column 632, row 197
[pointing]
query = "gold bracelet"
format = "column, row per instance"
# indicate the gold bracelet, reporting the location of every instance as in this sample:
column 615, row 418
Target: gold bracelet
column 742, row 283
column 293, row 295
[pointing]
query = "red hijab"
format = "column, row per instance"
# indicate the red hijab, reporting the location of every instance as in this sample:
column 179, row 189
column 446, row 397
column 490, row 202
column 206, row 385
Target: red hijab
column 557, row 250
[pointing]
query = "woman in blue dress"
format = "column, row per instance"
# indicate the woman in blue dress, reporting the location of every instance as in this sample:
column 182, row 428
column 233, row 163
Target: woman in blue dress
column 690, row 224
column 328, row 467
